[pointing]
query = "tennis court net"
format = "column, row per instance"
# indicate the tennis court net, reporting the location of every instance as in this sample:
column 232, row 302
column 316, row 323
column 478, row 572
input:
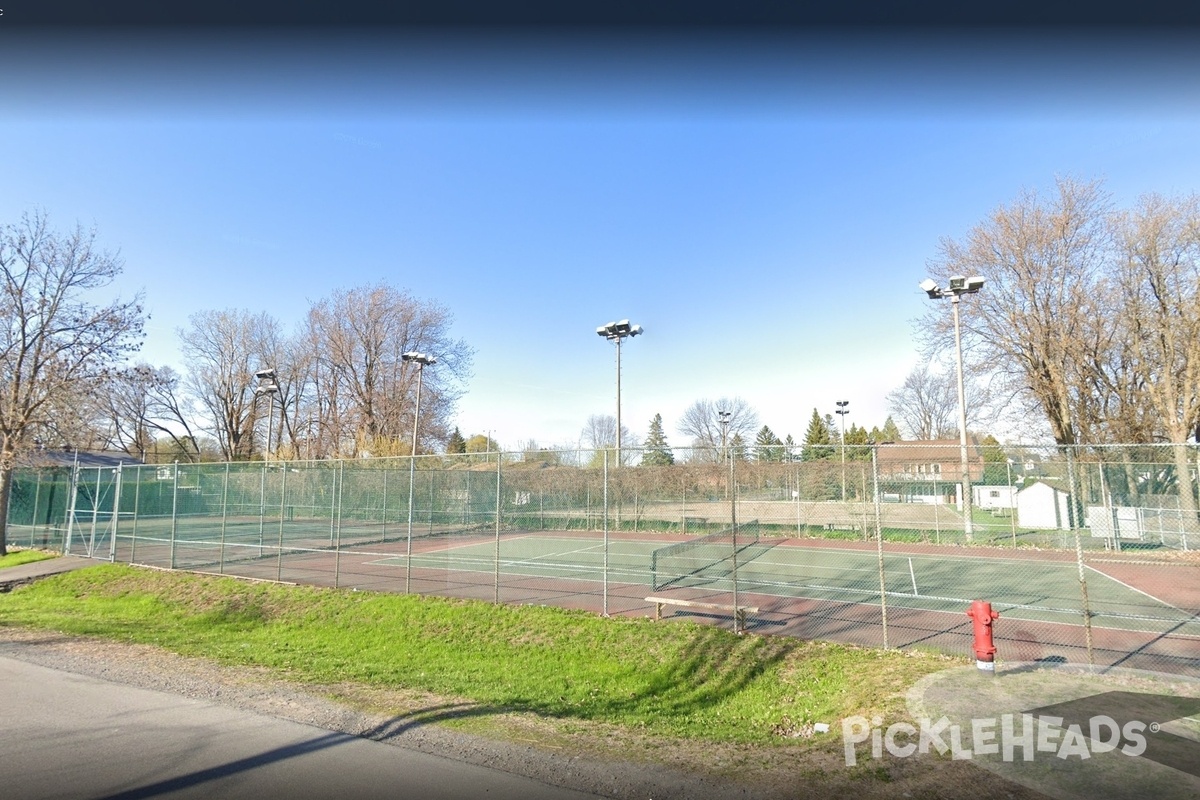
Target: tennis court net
column 707, row 558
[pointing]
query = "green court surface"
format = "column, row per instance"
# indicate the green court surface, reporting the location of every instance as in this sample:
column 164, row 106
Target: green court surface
column 1042, row 591
column 541, row 556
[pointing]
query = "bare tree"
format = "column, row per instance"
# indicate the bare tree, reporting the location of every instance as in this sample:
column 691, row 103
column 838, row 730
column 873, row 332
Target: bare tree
column 600, row 433
column 1159, row 279
column 1037, row 325
column 139, row 405
column 57, row 343
column 702, row 422
column 926, row 404
column 367, row 391
column 224, row 349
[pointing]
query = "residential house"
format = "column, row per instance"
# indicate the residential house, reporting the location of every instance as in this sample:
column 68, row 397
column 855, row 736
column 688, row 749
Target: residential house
column 927, row 471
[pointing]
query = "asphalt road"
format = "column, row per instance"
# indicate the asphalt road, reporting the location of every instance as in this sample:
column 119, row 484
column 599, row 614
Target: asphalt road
column 64, row 735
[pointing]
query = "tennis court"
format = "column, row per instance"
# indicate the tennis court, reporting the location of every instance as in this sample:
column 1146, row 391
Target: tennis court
column 785, row 569
column 813, row 570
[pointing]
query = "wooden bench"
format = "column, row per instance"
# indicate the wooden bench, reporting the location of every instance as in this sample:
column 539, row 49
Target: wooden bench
column 739, row 612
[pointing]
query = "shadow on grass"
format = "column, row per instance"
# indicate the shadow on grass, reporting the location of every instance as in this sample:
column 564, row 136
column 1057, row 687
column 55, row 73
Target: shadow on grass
column 713, row 666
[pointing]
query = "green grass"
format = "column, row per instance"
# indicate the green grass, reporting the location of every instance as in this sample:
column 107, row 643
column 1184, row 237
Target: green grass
column 16, row 558
column 677, row 679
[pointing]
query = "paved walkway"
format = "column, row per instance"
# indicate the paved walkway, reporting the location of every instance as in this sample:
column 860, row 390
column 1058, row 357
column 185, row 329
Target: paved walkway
column 11, row 577
column 68, row 735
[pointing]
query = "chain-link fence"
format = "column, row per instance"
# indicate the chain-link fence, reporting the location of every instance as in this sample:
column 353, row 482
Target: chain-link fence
column 1089, row 554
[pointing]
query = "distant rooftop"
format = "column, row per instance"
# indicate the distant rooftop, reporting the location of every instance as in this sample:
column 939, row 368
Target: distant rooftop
column 64, row 457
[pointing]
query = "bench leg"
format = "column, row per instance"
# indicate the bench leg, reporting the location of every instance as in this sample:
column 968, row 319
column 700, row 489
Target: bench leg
column 740, row 616
column 657, row 611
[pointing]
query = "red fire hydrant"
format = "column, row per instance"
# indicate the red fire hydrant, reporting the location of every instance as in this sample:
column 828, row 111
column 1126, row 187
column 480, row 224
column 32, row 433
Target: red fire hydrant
column 982, row 616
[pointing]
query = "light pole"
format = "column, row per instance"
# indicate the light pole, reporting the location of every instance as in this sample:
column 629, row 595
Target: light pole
column 267, row 386
column 723, row 418
column 957, row 287
column 422, row 361
column 842, row 412
column 615, row 332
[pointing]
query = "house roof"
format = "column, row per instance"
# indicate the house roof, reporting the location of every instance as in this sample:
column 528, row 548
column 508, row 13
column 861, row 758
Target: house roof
column 901, row 457
column 63, row 457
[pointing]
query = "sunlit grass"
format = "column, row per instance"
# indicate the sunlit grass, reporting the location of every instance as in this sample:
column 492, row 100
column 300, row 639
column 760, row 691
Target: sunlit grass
column 675, row 678
column 16, row 558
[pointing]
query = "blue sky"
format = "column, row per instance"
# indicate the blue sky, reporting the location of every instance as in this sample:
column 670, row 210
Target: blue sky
column 764, row 207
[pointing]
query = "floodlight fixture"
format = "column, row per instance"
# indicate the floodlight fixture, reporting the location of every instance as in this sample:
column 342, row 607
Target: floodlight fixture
column 615, row 332
column 420, row 358
column 267, row 374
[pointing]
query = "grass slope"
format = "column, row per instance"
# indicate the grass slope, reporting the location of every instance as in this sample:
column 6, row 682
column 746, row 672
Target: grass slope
column 677, row 679
column 15, row 558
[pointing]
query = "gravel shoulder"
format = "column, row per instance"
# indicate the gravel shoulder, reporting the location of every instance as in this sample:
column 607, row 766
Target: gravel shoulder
column 601, row 759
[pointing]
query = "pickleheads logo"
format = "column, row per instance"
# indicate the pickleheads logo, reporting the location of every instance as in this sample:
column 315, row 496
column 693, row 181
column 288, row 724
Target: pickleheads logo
column 1002, row 736
column 1078, row 729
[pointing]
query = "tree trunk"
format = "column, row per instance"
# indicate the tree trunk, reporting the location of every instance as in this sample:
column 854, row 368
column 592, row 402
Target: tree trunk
column 6, row 480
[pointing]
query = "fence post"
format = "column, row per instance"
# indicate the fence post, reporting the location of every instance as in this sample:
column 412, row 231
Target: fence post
column 412, row 476
column 796, row 494
column 137, row 504
column 496, row 558
column 337, row 544
column 1012, row 503
column 1083, row 590
column 91, row 548
column 174, row 508
column 683, row 512
column 262, row 502
column 224, row 516
column 879, row 543
column 282, row 465
column 333, row 503
column 383, row 531
column 116, row 512
column 604, row 580
column 733, row 532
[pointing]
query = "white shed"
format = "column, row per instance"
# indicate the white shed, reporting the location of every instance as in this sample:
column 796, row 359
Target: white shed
column 994, row 497
column 1041, row 505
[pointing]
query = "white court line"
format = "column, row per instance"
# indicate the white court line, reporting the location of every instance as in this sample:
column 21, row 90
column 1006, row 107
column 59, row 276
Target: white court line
column 1139, row 591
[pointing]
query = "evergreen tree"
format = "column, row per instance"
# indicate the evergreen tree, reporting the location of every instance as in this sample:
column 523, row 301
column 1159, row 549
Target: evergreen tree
column 789, row 449
column 995, row 462
column 890, row 432
column 456, row 443
column 818, row 440
column 767, row 446
column 737, row 447
column 856, row 444
column 657, row 453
